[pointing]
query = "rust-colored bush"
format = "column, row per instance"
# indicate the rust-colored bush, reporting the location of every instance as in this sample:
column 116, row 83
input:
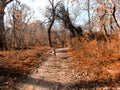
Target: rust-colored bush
column 17, row 64
column 94, row 59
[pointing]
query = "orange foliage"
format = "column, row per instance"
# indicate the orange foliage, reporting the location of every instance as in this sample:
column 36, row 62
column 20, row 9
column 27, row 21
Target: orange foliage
column 16, row 65
column 94, row 59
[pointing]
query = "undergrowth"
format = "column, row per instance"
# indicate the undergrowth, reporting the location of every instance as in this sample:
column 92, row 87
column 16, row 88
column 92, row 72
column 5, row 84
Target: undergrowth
column 96, row 63
column 15, row 65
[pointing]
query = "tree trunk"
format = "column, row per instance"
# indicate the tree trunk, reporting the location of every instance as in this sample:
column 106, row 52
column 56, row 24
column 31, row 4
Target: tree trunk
column 49, row 32
column 106, row 34
column 89, row 16
column 114, row 10
column 2, row 31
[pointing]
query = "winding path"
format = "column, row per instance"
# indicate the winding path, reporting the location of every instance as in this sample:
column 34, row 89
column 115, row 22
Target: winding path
column 53, row 74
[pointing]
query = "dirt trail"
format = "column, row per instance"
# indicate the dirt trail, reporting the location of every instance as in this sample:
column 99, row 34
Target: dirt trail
column 54, row 74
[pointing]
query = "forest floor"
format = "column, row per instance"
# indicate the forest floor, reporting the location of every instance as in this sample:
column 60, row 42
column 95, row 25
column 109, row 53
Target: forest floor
column 57, row 69
column 54, row 74
column 58, row 73
column 16, row 65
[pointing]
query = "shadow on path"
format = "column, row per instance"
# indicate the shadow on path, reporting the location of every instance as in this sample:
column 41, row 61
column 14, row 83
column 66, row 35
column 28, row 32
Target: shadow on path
column 61, row 86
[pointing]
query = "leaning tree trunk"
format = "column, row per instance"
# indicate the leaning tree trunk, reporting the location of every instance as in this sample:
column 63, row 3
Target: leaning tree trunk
column 2, row 31
column 49, row 32
column 114, row 10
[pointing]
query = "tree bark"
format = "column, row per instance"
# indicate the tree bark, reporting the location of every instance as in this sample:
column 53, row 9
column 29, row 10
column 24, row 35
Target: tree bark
column 89, row 16
column 49, row 32
column 2, row 31
column 114, row 10
column 3, row 4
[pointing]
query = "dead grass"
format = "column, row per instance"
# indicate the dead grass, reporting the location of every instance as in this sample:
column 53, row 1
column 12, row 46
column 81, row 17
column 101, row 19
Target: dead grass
column 96, row 62
column 15, row 65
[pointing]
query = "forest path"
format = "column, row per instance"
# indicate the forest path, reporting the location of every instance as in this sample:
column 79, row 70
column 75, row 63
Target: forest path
column 54, row 74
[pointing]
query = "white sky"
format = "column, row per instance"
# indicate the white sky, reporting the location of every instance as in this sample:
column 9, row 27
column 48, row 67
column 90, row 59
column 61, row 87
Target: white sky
column 36, row 5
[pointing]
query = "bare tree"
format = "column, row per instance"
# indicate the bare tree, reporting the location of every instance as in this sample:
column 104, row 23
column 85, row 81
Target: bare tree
column 19, row 16
column 60, row 13
column 3, row 4
column 113, row 13
column 61, row 35
column 89, row 16
column 38, row 34
column 63, row 14
column 110, row 9
column 106, row 14
column 52, row 19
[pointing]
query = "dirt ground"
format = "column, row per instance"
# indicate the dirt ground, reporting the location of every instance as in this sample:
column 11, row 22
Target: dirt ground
column 56, row 73
column 53, row 74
